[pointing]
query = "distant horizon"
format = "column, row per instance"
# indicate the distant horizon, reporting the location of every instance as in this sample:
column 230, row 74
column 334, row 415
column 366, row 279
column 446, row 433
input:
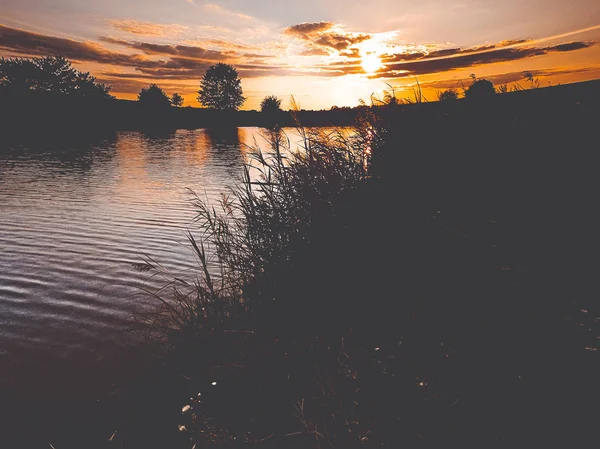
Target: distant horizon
column 325, row 53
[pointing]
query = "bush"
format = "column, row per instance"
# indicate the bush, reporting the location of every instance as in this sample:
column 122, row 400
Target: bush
column 270, row 105
column 480, row 89
column 448, row 95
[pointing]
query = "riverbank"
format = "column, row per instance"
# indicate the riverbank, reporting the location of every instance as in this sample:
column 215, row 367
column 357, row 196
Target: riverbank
column 445, row 296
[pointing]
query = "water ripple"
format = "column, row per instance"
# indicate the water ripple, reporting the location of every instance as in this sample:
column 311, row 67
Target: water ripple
column 74, row 219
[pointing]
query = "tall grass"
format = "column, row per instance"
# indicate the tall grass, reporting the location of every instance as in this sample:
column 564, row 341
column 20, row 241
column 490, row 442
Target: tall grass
column 259, row 228
column 260, row 267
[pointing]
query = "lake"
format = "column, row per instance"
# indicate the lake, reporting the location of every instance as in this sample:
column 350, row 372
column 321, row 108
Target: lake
column 73, row 220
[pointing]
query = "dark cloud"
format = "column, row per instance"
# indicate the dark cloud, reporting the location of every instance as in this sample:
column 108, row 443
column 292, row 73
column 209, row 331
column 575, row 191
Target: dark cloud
column 571, row 46
column 113, row 40
column 187, row 51
column 386, row 58
column 469, row 59
column 443, row 53
column 33, row 44
column 412, row 64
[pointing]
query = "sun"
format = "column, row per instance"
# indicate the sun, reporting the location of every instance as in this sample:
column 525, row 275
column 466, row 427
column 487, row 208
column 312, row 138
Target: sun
column 371, row 63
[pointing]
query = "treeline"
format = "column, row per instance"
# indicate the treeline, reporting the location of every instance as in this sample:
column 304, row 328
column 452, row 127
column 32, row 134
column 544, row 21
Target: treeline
column 53, row 77
column 48, row 95
column 78, row 117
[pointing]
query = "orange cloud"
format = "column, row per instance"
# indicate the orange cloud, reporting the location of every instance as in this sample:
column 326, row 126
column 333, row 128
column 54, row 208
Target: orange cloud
column 325, row 36
column 147, row 28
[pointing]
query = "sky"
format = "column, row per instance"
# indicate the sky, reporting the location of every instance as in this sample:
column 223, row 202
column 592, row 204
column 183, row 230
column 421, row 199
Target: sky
column 321, row 52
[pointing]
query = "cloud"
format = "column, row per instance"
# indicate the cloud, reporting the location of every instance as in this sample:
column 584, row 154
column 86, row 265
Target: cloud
column 147, row 28
column 314, row 52
column 308, row 29
column 174, row 50
column 129, row 59
column 339, row 41
column 228, row 45
column 34, row 44
column 571, row 46
column 180, row 62
column 114, row 40
column 510, row 42
column 469, row 59
column 420, row 63
column 447, row 52
column 325, row 36
column 221, row 10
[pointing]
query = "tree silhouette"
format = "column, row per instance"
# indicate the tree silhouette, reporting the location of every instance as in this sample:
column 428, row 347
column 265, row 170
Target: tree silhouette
column 220, row 88
column 480, row 89
column 177, row 100
column 448, row 95
column 153, row 97
column 48, row 76
column 270, row 104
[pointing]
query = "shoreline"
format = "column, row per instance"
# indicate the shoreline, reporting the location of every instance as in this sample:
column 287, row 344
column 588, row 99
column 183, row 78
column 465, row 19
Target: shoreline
column 55, row 117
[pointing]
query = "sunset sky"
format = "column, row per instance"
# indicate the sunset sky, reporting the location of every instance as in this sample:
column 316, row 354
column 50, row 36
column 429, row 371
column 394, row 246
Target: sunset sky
column 324, row 52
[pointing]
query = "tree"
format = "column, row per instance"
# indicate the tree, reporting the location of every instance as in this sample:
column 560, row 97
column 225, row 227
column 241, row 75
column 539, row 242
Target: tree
column 270, row 104
column 177, row 100
column 220, row 88
column 48, row 76
column 153, row 97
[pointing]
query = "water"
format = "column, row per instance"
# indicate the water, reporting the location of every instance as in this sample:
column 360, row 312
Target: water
column 73, row 219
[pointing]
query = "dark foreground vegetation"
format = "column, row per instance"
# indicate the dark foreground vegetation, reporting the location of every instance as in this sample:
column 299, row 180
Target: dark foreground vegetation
column 429, row 282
